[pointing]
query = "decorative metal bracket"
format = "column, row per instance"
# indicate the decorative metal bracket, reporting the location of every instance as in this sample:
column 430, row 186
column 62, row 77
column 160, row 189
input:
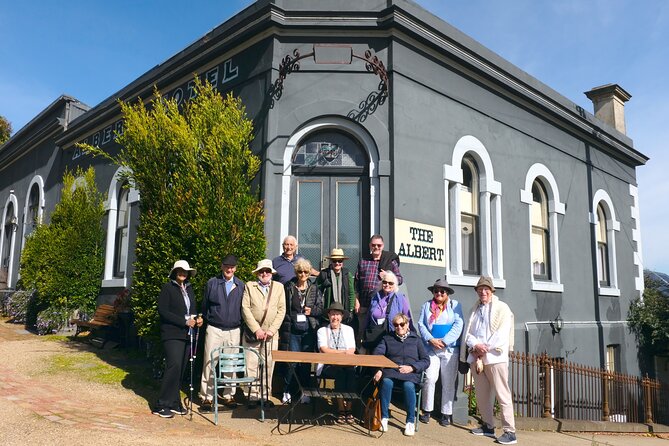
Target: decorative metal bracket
column 290, row 64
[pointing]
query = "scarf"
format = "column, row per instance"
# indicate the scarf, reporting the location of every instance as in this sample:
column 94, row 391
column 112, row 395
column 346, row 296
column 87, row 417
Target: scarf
column 435, row 311
column 403, row 337
column 336, row 287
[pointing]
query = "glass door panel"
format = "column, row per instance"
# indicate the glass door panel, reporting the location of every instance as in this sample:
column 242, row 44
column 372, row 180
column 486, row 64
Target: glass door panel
column 310, row 220
column 348, row 230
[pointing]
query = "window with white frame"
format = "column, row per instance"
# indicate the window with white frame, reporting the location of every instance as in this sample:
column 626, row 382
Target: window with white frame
column 469, row 217
column 473, row 216
column 603, row 217
column 33, row 207
column 121, row 249
column 542, row 196
column 121, row 196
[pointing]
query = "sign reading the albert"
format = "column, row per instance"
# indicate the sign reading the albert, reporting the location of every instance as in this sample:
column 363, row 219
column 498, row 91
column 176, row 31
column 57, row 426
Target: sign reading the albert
column 419, row 243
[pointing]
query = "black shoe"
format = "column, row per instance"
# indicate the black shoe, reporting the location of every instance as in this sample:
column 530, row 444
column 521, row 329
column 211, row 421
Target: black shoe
column 206, row 407
column 446, row 420
column 181, row 410
column 425, row 417
column 163, row 413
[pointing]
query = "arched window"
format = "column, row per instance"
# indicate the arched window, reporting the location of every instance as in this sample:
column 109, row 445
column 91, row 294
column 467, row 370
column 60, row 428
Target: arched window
column 601, row 234
column 603, row 217
column 473, row 218
column 121, row 249
column 33, row 207
column 9, row 230
column 469, row 217
column 540, row 233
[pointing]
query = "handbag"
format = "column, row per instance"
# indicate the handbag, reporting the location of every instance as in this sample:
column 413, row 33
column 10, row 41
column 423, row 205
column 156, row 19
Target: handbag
column 372, row 415
column 372, row 335
column 463, row 367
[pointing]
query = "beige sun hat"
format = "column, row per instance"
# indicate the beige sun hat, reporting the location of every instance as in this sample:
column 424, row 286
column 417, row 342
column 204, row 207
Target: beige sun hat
column 485, row 281
column 184, row 266
column 337, row 254
column 264, row 264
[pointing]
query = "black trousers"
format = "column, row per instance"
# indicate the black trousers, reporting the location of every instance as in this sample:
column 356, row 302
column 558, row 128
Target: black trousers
column 176, row 358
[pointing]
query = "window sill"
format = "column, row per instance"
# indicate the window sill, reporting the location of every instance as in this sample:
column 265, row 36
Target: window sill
column 552, row 287
column 115, row 283
column 472, row 281
column 608, row 291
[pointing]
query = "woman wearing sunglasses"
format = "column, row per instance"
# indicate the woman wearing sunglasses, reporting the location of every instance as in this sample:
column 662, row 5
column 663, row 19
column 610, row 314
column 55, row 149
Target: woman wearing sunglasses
column 440, row 325
column 406, row 350
column 386, row 303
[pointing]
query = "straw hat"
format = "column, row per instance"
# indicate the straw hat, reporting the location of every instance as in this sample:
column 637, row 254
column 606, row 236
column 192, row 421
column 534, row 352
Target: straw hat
column 337, row 254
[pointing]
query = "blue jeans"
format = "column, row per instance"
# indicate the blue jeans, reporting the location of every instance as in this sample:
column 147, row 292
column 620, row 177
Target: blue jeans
column 409, row 390
column 298, row 343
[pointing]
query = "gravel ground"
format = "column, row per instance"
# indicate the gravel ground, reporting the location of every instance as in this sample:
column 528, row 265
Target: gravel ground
column 37, row 408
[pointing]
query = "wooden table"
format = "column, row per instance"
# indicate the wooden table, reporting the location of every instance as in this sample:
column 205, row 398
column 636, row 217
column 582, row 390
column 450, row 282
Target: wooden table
column 337, row 359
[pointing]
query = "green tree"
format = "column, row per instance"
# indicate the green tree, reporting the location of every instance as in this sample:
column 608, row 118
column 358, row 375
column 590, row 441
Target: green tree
column 5, row 130
column 648, row 319
column 63, row 260
column 193, row 169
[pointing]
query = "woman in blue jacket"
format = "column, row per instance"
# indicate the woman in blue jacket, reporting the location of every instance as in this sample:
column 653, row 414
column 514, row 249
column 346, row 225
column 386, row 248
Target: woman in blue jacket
column 440, row 326
column 406, row 350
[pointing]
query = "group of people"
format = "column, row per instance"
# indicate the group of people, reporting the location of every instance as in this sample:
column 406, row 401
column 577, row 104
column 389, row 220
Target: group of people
column 292, row 306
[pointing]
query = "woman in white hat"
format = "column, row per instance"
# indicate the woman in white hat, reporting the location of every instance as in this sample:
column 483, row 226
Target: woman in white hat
column 440, row 326
column 178, row 316
column 263, row 310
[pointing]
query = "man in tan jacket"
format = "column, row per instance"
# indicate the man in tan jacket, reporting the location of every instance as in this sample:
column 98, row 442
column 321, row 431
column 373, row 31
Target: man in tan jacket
column 263, row 310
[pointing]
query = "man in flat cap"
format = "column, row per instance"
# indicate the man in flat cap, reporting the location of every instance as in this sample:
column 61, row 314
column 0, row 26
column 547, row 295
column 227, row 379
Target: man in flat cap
column 222, row 310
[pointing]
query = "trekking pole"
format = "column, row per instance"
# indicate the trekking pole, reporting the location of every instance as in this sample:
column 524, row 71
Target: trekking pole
column 266, row 372
column 193, row 355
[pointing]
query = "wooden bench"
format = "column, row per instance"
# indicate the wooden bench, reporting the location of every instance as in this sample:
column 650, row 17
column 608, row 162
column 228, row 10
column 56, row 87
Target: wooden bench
column 105, row 316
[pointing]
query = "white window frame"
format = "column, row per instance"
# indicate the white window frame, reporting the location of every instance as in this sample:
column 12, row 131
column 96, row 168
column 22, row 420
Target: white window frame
column 539, row 172
column 39, row 181
column 490, row 215
column 612, row 226
column 12, row 244
column 111, row 206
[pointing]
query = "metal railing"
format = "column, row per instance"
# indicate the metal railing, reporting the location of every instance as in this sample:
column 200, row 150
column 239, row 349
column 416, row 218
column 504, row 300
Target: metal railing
column 552, row 387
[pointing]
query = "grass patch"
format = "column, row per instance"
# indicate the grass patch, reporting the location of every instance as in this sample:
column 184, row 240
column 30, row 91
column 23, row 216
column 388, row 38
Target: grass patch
column 87, row 366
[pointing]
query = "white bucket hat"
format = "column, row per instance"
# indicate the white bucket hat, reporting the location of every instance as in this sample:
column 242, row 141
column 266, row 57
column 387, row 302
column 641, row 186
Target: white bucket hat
column 264, row 264
column 184, row 266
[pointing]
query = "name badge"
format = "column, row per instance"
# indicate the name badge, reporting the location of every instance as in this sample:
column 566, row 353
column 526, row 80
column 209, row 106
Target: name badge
column 301, row 318
column 380, row 321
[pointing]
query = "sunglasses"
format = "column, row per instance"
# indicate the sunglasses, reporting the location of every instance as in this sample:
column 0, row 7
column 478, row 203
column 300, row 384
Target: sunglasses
column 337, row 261
column 400, row 324
column 376, row 245
column 265, row 271
column 385, row 282
column 440, row 291
column 303, row 272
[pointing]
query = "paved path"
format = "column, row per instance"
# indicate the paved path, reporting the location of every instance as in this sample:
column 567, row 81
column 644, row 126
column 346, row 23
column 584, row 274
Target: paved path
column 37, row 409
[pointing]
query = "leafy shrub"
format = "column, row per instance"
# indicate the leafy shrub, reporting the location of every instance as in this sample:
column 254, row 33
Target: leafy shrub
column 20, row 304
column 51, row 321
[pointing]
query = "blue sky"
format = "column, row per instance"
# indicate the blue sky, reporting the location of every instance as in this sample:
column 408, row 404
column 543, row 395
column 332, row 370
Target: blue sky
column 91, row 49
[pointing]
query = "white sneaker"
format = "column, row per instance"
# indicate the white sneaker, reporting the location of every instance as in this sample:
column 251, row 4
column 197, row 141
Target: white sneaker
column 410, row 429
column 305, row 399
column 384, row 424
column 286, row 398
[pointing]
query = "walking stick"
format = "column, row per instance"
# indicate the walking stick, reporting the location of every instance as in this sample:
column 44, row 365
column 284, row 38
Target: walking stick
column 193, row 356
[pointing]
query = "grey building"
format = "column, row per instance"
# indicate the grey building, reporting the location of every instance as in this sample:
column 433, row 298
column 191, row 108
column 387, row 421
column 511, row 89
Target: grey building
column 378, row 117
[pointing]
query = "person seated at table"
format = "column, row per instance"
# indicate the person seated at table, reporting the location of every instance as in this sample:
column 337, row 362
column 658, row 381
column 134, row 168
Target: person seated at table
column 338, row 338
column 405, row 349
column 384, row 306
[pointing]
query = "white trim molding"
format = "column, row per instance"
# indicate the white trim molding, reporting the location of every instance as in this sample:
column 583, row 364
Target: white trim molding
column 12, row 243
column 543, row 174
column 490, row 202
column 613, row 226
column 368, row 145
column 636, row 238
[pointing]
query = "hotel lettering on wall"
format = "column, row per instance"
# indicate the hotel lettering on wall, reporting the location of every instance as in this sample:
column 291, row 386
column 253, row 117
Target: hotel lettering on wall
column 420, row 243
column 218, row 77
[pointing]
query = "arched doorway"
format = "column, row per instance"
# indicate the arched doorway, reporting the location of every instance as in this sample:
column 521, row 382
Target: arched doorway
column 330, row 199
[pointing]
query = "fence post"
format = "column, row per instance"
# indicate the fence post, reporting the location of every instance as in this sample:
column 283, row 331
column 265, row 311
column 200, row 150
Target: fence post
column 645, row 383
column 545, row 367
column 605, row 395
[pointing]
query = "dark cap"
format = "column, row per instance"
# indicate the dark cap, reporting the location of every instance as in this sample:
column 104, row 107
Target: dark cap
column 229, row 260
column 441, row 283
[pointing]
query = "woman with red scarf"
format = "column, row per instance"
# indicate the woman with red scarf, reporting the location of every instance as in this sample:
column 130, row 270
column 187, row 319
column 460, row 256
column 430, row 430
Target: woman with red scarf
column 440, row 326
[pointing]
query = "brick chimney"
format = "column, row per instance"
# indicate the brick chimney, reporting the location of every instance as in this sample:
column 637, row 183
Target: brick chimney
column 609, row 103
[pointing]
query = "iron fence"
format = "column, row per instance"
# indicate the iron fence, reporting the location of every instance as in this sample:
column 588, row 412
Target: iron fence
column 552, row 387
